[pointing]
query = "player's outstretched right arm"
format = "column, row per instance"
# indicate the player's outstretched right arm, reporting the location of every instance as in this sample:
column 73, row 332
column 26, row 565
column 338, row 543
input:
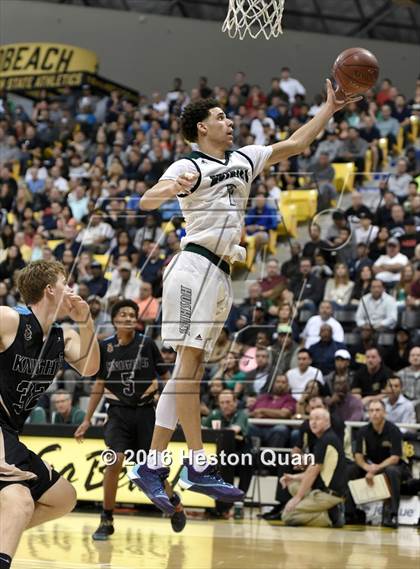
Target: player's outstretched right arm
column 167, row 190
column 9, row 323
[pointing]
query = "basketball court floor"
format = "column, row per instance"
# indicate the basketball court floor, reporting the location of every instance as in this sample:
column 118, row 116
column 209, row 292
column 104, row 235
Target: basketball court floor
column 149, row 543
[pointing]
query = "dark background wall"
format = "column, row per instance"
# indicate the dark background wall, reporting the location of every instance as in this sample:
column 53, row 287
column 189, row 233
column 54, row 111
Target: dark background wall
column 146, row 52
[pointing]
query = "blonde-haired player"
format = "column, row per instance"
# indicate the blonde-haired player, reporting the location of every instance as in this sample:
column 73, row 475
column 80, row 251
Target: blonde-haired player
column 212, row 186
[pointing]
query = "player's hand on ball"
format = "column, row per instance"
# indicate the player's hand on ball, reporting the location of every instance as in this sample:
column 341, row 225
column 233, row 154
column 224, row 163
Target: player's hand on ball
column 185, row 182
column 81, row 430
column 338, row 99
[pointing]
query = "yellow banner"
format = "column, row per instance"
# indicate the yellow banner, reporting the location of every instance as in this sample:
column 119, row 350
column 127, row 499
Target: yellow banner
column 30, row 59
column 82, row 465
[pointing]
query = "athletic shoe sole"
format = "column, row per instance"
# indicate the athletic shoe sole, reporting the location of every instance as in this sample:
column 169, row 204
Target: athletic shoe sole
column 210, row 490
column 162, row 503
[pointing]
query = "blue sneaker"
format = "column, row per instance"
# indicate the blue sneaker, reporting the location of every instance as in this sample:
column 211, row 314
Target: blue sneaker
column 209, row 482
column 178, row 519
column 150, row 480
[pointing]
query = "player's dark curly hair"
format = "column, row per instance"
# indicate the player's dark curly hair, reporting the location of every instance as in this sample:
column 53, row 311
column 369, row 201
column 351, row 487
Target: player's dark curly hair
column 194, row 113
column 126, row 302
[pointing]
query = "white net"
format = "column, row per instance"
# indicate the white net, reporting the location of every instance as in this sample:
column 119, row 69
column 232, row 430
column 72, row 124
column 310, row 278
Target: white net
column 254, row 18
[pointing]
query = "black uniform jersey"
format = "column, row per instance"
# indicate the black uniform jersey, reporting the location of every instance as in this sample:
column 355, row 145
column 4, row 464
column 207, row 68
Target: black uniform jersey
column 128, row 370
column 28, row 367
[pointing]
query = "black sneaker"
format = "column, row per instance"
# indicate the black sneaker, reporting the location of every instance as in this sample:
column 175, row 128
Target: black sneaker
column 178, row 518
column 105, row 529
column 390, row 521
column 336, row 515
column 273, row 514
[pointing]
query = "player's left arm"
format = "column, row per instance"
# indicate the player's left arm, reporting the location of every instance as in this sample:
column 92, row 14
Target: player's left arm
column 303, row 137
column 81, row 349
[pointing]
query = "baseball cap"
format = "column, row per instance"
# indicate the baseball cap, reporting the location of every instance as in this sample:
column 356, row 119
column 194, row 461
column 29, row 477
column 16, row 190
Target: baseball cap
column 93, row 298
column 392, row 241
column 125, row 266
column 95, row 265
column 284, row 329
column 343, row 354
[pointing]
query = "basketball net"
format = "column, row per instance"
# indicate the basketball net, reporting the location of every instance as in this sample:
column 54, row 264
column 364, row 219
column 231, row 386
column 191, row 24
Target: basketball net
column 254, row 18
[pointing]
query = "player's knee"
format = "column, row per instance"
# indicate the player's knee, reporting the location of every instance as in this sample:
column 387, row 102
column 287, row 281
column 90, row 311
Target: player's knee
column 69, row 498
column 17, row 501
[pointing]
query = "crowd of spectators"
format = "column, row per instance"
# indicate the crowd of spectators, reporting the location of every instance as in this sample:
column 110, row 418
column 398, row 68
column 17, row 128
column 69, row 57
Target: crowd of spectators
column 338, row 319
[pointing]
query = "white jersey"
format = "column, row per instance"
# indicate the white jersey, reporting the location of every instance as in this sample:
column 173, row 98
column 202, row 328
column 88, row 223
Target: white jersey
column 214, row 211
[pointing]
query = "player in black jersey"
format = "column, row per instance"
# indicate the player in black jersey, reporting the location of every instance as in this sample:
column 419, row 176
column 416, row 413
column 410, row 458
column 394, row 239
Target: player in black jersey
column 32, row 350
column 130, row 365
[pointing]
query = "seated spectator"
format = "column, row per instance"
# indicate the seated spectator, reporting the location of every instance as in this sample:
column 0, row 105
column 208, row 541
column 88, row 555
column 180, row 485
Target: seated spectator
column 323, row 175
column 12, row 263
column 339, row 223
column 330, row 145
column 313, row 389
column 257, row 381
column 396, row 356
column 101, row 318
column 273, row 280
column 284, row 350
column 377, row 308
column 150, row 232
column 291, row 268
column 220, row 350
column 344, row 404
column 259, row 220
column 148, row 305
column 396, row 225
column 97, row 283
column 6, row 299
column 96, row 237
column 69, row 243
column 230, row 417
column 378, row 246
column 370, row 380
column 306, row 287
column 278, row 404
column 338, row 290
column 388, row 126
column 323, row 351
column 399, row 181
column 410, row 375
column 359, row 262
column 151, row 266
column 353, row 149
column 378, row 450
column 410, row 239
column 124, row 247
column 342, row 360
column 316, row 244
column 230, row 374
column 299, row 376
column 124, row 284
column 210, row 399
column 311, row 332
column 316, row 494
column 365, row 232
column 254, row 298
column 398, row 408
column 285, row 317
column 357, row 208
column 64, row 412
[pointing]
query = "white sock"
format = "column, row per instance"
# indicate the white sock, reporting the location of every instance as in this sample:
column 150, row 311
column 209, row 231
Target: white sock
column 198, row 460
column 155, row 460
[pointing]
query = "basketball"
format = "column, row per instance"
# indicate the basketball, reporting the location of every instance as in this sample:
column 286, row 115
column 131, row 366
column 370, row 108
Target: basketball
column 355, row 70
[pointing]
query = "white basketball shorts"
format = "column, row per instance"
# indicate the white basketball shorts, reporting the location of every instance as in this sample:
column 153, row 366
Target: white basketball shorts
column 196, row 300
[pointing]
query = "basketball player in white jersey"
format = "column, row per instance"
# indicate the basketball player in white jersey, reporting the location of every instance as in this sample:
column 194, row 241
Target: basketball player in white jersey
column 212, row 186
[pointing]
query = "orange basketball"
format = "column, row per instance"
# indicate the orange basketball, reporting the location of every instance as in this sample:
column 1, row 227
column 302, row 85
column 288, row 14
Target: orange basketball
column 355, row 70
